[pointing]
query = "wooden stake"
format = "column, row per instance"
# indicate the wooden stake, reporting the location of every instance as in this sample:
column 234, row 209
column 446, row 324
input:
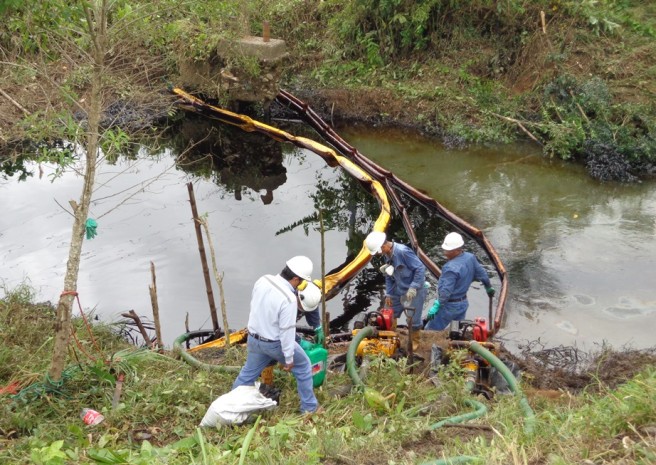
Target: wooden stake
column 203, row 259
column 155, row 305
column 266, row 32
column 326, row 325
column 133, row 315
column 219, row 281
column 544, row 22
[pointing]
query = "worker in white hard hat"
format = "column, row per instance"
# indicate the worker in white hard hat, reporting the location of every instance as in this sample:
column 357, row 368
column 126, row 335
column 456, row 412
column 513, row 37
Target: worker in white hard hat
column 272, row 330
column 404, row 275
column 460, row 270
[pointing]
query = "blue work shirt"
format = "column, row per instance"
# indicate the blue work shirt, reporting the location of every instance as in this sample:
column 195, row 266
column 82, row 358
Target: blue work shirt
column 457, row 275
column 409, row 271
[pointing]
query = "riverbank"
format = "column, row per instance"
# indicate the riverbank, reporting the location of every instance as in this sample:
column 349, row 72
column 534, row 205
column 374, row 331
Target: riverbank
column 577, row 79
column 608, row 418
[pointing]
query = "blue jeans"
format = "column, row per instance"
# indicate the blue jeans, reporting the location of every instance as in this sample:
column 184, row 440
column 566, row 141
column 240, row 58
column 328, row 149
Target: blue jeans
column 261, row 354
column 417, row 303
column 445, row 315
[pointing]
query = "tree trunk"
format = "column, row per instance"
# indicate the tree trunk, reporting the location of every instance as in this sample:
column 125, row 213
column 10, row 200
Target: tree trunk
column 97, row 28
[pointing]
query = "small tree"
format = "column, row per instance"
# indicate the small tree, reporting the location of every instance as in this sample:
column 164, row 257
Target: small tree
column 96, row 24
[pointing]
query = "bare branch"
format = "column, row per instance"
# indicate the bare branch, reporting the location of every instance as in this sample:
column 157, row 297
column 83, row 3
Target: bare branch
column 521, row 126
column 14, row 102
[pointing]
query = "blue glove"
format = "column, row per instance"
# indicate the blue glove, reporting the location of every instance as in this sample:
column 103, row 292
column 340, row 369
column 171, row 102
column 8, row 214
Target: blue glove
column 90, row 228
column 490, row 291
column 433, row 311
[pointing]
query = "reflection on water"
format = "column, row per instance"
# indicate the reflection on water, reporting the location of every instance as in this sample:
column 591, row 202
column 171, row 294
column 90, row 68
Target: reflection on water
column 578, row 253
column 574, row 248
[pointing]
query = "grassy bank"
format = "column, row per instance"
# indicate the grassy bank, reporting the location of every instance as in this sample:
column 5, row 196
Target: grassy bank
column 577, row 77
column 163, row 400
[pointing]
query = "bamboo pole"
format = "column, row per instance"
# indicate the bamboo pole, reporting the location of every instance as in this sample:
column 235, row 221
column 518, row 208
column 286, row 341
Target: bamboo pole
column 219, row 281
column 203, row 259
column 153, row 301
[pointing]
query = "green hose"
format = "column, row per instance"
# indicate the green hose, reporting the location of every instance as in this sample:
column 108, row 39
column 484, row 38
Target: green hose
column 367, row 331
column 187, row 357
column 529, row 426
column 481, row 410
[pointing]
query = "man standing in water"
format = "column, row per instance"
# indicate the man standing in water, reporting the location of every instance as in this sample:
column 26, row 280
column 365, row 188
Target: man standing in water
column 460, row 270
column 404, row 275
column 272, row 329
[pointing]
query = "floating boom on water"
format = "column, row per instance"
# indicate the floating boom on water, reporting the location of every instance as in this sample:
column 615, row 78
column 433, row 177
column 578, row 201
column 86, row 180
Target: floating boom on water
column 383, row 184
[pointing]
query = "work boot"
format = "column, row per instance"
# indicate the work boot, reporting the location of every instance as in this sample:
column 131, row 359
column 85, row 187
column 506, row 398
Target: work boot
column 416, row 338
column 393, row 328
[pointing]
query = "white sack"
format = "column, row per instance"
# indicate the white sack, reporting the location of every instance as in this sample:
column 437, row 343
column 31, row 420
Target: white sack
column 234, row 407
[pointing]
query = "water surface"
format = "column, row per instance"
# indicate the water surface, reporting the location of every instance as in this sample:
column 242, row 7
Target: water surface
column 579, row 253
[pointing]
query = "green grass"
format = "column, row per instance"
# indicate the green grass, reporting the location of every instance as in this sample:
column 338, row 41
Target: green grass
column 164, row 399
column 446, row 67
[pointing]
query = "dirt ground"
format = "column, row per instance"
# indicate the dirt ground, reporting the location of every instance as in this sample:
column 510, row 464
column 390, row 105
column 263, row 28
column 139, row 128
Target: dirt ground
column 554, row 371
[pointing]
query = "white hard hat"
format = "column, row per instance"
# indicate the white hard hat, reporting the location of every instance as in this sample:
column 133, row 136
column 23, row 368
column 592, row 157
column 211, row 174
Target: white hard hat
column 374, row 241
column 301, row 266
column 452, row 241
column 310, row 297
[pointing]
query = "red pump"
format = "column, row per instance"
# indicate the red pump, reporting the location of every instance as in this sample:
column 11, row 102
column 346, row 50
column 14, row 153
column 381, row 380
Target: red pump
column 480, row 329
column 385, row 320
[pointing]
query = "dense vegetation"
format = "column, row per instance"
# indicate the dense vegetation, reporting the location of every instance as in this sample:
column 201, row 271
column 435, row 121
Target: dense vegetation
column 581, row 81
column 163, row 400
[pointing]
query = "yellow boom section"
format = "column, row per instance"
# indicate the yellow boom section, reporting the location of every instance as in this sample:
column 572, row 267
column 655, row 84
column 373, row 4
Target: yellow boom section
column 335, row 280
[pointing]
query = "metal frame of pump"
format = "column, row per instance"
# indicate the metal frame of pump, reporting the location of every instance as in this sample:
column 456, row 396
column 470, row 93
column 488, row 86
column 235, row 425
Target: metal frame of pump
column 477, row 369
column 386, row 340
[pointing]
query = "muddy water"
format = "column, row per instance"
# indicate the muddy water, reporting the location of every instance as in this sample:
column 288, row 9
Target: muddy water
column 579, row 253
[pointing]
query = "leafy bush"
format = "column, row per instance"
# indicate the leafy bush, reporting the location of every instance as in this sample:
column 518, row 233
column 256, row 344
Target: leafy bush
column 581, row 121
column 401, row 27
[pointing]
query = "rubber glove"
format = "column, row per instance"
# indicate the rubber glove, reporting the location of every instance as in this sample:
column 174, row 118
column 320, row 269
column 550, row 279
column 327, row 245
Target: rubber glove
column 411, row 294
column 490, row 291
column 305, row 344
column 319, row 335
column 90, row 227
column 433, row 311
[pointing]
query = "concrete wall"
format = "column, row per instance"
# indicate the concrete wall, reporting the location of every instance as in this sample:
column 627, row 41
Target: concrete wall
column 246, row 70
